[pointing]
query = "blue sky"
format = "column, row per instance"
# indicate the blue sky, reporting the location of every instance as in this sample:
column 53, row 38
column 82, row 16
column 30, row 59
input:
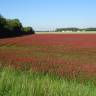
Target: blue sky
column 51, row 14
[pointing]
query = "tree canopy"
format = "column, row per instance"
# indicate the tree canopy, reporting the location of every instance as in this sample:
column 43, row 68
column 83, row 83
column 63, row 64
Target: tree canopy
column 13, row 27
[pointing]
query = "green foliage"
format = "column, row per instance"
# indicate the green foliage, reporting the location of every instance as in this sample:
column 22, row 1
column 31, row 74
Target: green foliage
column 14, row 24
column 18, row 83
column 67, row 29
column 90, row 29
column 28, row 30
column 2, row 22
column 13, row 27
column 75, row 29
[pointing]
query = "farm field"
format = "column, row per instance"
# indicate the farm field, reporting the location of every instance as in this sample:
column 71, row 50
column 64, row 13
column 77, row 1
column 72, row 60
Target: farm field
column 69, row 55
column 48, row 65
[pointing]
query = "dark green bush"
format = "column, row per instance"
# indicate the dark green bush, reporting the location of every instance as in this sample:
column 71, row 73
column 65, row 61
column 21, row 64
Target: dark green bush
column 28, row 30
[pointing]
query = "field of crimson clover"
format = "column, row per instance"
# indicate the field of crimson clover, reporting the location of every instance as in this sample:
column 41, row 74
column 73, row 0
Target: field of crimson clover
column 70, row 55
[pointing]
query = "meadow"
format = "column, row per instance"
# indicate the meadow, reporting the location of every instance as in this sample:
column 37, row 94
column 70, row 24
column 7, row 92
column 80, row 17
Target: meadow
column 48, row 65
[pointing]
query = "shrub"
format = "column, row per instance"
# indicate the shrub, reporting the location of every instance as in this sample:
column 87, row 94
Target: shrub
column 28, row 30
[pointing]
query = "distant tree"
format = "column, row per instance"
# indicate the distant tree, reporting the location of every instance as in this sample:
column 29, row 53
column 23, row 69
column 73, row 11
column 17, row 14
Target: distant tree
column 90, row 29
column 75, row 29
column 67, row 29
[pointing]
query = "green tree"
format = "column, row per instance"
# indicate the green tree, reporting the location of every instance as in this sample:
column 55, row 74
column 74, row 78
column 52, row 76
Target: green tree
column 14, row 25
column 2, row 22
column 28, row 30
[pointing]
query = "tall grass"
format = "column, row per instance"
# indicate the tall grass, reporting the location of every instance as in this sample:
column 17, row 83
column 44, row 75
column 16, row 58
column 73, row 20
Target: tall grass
column 18, row 83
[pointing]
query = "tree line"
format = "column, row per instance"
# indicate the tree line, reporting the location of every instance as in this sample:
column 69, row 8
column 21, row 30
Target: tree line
column 75, row 29
column 13, row 27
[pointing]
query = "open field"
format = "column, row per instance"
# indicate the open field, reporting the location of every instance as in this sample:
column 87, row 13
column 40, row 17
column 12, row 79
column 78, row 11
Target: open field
column 69, row 55
column 48, row 65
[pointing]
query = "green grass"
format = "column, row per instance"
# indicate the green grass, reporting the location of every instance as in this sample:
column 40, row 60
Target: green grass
column 20, row 83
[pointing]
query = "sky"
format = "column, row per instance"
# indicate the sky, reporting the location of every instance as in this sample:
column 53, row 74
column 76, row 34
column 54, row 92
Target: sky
column 51, row 14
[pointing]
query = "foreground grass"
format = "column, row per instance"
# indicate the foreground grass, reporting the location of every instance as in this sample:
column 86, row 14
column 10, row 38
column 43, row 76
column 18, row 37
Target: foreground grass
column 18, row 83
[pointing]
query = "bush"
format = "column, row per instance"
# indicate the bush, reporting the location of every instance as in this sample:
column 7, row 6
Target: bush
column 28, row 30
